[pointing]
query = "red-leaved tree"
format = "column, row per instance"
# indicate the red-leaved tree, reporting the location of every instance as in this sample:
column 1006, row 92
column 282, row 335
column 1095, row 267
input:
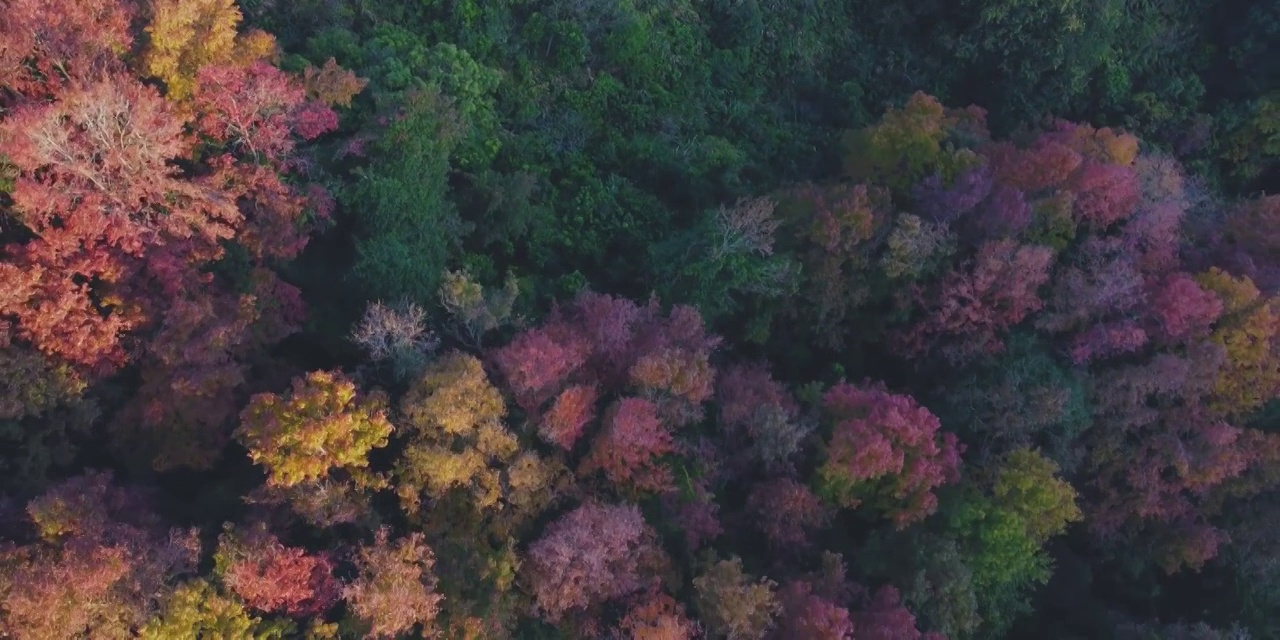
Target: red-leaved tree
column 885, row 451
column 275, row 578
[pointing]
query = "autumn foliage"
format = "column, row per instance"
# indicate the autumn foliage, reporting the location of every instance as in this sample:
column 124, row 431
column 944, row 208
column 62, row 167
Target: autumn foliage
column 322, row 425
column 403, row 346
column 586, row 557
column 395, row 589
column 887, row 451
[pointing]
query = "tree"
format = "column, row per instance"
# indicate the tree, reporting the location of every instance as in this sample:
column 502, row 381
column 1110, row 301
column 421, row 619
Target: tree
column 536, row 363
column 321, row 425
column 126, row 202
column 886, row 451
column 45, row 46
column 457, row 440
column 586, row 557
column 884, row 618
column 395, row 587
column 275, row 578
column 759, row 416
column 564, row 422
column 834, row 228
column 657, row 616
column 786, row 512
column 807, row 616
column 196, row 609
column 332, row 84
column 185, row 35
column 1247, row 333
column 732, row 604
column 396, row 335
column 67, row 593
column 912, row 142
column 407, row 224
column 101, row 559
column 452, row 396
column 82, row 189
column 1026, row 397
column 1028, row 485
column 627, row 452
column 477, row 312
column 965, row 315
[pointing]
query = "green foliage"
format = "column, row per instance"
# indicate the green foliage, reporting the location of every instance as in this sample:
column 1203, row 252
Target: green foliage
column 1004, row 557
column 196, row 610
column 406, row 222
column 1027, row 485
column 726, row 266
column 1024, row 397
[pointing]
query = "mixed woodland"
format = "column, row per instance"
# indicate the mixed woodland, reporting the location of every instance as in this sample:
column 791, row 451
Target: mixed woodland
column 640, row 319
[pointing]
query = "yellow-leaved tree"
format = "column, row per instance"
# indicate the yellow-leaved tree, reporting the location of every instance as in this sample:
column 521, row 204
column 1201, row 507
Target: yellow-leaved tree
column 185, row 35
column 323, row 424
column 459, row 444
column 1248, row 332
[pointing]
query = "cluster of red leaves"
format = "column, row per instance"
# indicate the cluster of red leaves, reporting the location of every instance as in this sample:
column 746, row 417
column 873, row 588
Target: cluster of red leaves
column 628, row 448
column 574, row 408
column 1182, row 309
column 695, row 512
column 887, row 450
column 43, row 44
column 600, row 346
column 970, row 308
column 807, row 616
column 885, row 618
column 276, row 578
column 1165, row 455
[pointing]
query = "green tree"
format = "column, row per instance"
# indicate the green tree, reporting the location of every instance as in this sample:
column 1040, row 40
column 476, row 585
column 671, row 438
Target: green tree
column 407, row 224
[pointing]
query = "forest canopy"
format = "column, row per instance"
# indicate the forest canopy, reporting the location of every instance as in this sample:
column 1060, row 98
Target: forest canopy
column 648, row 319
